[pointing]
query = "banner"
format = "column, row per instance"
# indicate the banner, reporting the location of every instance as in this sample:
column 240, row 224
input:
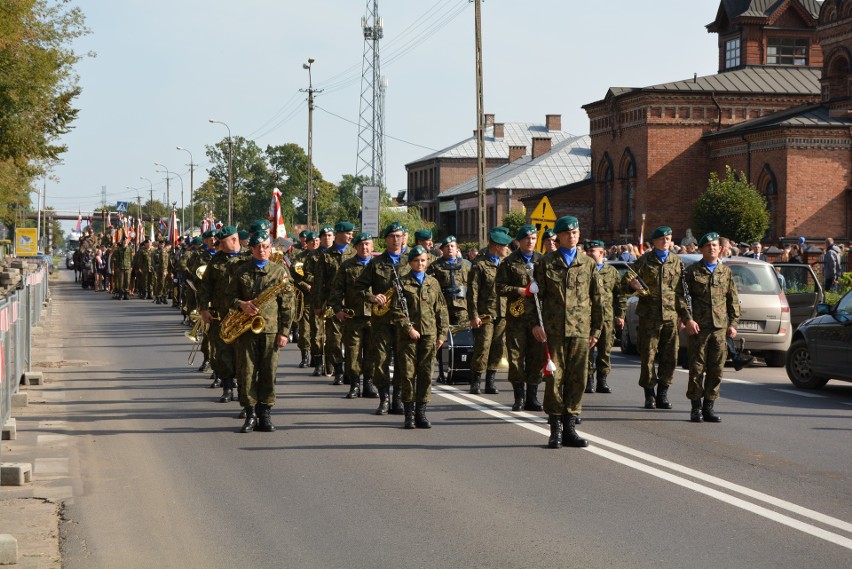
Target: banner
column 26, row 241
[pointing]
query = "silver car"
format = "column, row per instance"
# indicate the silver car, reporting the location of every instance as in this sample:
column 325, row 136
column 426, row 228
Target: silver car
column 765, row 324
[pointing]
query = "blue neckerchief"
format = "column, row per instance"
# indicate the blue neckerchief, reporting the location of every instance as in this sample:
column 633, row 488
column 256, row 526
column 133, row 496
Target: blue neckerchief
column 363, row 261
column 568, row 255
column 323, row 249
column 260, row 264
column 494, row 259
column 452, row 261
column 527, row 258
column 394, row 258
column 209, row 250
column 661, row 255
column 710, row 267
column 600, row 267
column 341, row 248
column 419, row 276
column 232, row 254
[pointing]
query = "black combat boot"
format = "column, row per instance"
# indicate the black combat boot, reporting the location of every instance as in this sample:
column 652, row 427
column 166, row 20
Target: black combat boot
column 354, row 389
column 242, row 414
column 329, row 369
column 338, row 374
column 474, row 384
column 663, row 397
column 490, row 387
column 590, row 384
column 125, row 297
column 205, row 366
column 695, row 414
column 532, row 403
column 602, row 387
column 251, row 420
column 158, row 300
column 318, row 365
column 216, row 382
column 408, row 408
column 570, row 438
column 227, row 393
column 235, row 390
column 384, row 401
column 264, row 423
column 149, row 296
column 518, row 389
column 707, row 412
column 306, row 359
column 369, row 390
column 650, row 398
column 555, row 440
column 396, row 402
column 420, row 420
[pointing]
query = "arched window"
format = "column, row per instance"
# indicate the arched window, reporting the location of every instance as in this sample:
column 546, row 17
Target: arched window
column 628, row 176
column 606, row 178
column 835, row 75
column 767, row 185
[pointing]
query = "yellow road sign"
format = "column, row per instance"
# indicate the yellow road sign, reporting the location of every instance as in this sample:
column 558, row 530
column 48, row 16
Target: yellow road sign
column 26, row 241
column 543, row 218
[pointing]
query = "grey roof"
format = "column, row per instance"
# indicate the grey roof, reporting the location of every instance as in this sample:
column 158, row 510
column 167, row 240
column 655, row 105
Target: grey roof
column 569, row 161
column 514, row 134
column 805, row 116
column 764, row 8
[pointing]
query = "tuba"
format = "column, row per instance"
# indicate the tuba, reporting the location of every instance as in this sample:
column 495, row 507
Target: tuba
column 237, row 322
column 382, row 309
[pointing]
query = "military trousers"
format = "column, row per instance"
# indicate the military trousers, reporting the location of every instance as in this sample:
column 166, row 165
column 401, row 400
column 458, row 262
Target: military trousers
column 526, row 354
column 305, row 330
column 123, row 282
column 333, row 341
column 563, row 391
column 599, row 355
column 356, row 342
column 317, row 332
column 707, row 354
column 489, row 343
column 383, row 337
column 142, row 283
column 223, row 358
column 257, row 363
column 415, row 360
column 657, row 338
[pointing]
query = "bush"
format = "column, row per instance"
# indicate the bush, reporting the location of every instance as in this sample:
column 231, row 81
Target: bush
column 731, row 207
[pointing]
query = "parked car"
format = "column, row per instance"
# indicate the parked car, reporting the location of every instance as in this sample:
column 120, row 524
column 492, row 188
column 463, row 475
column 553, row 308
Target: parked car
column 822, row 346
column 765, row 312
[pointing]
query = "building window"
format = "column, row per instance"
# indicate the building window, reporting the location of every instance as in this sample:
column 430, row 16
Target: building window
column 787, row 51
column 732, row 53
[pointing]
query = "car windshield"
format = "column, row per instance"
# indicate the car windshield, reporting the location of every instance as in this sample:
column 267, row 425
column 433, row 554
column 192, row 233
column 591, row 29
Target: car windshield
column 845, row 305
column 750, row 278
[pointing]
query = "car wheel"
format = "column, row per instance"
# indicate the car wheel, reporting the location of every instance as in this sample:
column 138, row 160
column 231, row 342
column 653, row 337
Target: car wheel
column 775, row 359
column 799, row 368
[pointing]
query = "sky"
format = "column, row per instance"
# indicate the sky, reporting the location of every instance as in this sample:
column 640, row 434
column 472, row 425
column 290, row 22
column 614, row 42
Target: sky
column 163, row 68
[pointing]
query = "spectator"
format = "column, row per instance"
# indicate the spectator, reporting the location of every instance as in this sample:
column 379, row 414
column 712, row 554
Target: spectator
column 796, row 254
column 831, row 264
column 627, row 254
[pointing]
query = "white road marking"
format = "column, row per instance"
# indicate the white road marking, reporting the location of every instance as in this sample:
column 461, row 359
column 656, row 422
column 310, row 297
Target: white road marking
column 728, row 379
column 534, row 423
column 797, row 392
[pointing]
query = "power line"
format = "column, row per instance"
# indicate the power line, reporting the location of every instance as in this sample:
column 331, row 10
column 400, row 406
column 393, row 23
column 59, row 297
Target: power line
column 317, row 107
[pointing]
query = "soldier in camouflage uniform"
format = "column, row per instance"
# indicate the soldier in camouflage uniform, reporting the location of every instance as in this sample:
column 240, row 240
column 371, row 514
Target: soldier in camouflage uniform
column 214, row 303
column 482, row 300
column 568, row 286
column 326, row 269
column 160, row 271
column 662, row 272
column 304, row 284
column 201, row 258
column 715, row 315
column 376, row 285
column 422, row 327
column 526, row 354
column 356, row 324
column 423, row 237
column 312, row 268
column 452, row 275
column 257, row 354
column 549, row 243
column 613, row 311
column 123, row 265
column 143, row 266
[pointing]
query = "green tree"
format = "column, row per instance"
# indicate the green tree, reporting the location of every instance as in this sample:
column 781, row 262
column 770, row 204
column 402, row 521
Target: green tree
column 731, row 207
column 249, row 170
column 514, row 219
column 407, row 216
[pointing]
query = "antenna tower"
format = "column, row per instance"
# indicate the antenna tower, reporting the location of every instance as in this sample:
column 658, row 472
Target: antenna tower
column 371, row 118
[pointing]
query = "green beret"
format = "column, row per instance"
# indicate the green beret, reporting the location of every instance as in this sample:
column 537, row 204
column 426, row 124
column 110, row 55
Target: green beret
column 304, row 233
column 343, row 226
column 196, row 241
column 595, row 244
column 324, row 230
column 661, row 231
column 525, row 231
column 362, row 237
column 448, row 239
column 707, row 238
column 548, row 234
column 501, row 229
column 311, row 235
column 499, row 237
column 209, row 233
column 227, row 231
column 566, row 223
column 258, row 237
column 393, row 227
column 422, row 235
column 416, row 251
column 258, row 225
column 243, row 234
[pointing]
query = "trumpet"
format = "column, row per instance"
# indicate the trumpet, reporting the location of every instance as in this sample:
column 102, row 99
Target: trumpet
column 631, row 276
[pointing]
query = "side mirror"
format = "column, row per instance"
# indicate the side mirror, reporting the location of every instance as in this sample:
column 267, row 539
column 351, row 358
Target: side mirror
column 823, row 309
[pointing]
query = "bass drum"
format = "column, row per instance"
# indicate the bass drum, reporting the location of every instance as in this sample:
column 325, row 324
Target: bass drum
column 456, row 355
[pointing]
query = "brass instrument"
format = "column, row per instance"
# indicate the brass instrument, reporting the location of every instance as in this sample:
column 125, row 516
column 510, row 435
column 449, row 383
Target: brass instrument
column 348, row 312
column 299, row 268
column 382, row 309
column 196, row 334
column 328, row 312
column 631, row 276
column 485, row 319
column 237, row 322
column 517, row 308
column 199, row 272
column 276, row 256
column 300, row 305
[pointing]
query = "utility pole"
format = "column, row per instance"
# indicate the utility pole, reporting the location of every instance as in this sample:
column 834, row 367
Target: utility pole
column 310, row 90
column 480, row 132
column 191, row 172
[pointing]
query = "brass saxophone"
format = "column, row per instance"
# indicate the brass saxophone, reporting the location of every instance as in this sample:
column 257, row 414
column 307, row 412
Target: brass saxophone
column 237, row 322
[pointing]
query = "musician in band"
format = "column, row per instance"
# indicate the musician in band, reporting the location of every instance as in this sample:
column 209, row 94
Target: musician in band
column 376, row 285
column 452, row 275
column 526, row 354
column 312, row 267
column 304, row 282
column 614, row 308
column 257, row 353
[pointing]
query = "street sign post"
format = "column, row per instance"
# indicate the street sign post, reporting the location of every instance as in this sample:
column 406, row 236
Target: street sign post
column 543, row 218
column 370, row 200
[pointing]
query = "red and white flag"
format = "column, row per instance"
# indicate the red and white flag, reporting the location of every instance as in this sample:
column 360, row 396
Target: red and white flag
column 278, row 229
column 79, row 225
column 173, row 230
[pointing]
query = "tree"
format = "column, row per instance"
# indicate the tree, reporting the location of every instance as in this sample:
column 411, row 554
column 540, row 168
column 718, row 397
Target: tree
column 249, row 172
column 514, row 219
column 731, row 207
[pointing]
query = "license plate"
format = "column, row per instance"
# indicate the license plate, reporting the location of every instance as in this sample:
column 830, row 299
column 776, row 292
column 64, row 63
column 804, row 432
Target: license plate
column 748, row 325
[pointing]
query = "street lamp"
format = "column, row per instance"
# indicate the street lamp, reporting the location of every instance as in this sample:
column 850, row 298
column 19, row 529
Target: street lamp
column 168, row 201
column 230, row 177
column 181, row 199
column 150, row 201
column 191, row 204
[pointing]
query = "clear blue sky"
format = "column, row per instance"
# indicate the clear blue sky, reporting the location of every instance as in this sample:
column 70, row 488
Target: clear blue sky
column 163, row 68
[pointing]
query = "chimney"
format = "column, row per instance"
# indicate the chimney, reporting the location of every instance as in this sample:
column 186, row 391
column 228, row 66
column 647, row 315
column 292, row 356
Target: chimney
column 516, row 152
column 489, row 120
column 540, row 145
column 553, row 122
column 498, row 130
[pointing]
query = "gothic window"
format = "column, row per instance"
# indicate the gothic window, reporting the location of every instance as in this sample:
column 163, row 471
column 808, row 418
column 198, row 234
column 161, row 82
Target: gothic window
column 767, row 184
column 628, row 175
column 606, row 179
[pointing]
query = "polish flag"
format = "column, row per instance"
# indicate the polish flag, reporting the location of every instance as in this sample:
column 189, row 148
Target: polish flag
column 278, row 229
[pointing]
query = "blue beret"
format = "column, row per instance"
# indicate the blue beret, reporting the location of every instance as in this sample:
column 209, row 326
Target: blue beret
column 422, row 235
column 525, row 231
column 362, row 237
column 566, row 223
column 801, row 240
column 393, row 227
column 661, row 231
column 499, row 237
column 707, row 238
column 258, row 237
column 343, row 226
column 416, row 251
column 448, row 239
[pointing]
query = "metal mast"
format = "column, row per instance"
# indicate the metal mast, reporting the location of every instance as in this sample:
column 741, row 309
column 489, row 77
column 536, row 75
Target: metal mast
column 371, row 121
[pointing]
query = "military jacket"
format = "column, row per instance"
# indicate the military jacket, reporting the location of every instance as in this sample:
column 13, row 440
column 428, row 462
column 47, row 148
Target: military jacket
column 427, row 312
column 715, row 302
column 123, row 258
column 482, row 295
column 213, row 288
column 309, row 267
column 343, row 293
column 665, row 283
column 297, row 270
column 143, row 260
column 248, row 282
column 511, row 275
column 570, row 296
column 613, row 299
column 453, row 279
column 159, row 260
column 326, row 267
column 377, row 278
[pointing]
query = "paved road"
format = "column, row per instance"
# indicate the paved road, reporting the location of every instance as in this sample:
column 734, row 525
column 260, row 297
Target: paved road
column 162, row 478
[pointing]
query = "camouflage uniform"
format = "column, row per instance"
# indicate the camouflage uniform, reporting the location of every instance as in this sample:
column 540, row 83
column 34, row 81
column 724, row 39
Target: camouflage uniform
column 317, row 324
column 123, row 264
column 303, row 285
column 142, row 267
column 614, row 305
column 326, row 268
column 160, row 266
column 452, row 278
column 201, row 257
column 489, row 338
